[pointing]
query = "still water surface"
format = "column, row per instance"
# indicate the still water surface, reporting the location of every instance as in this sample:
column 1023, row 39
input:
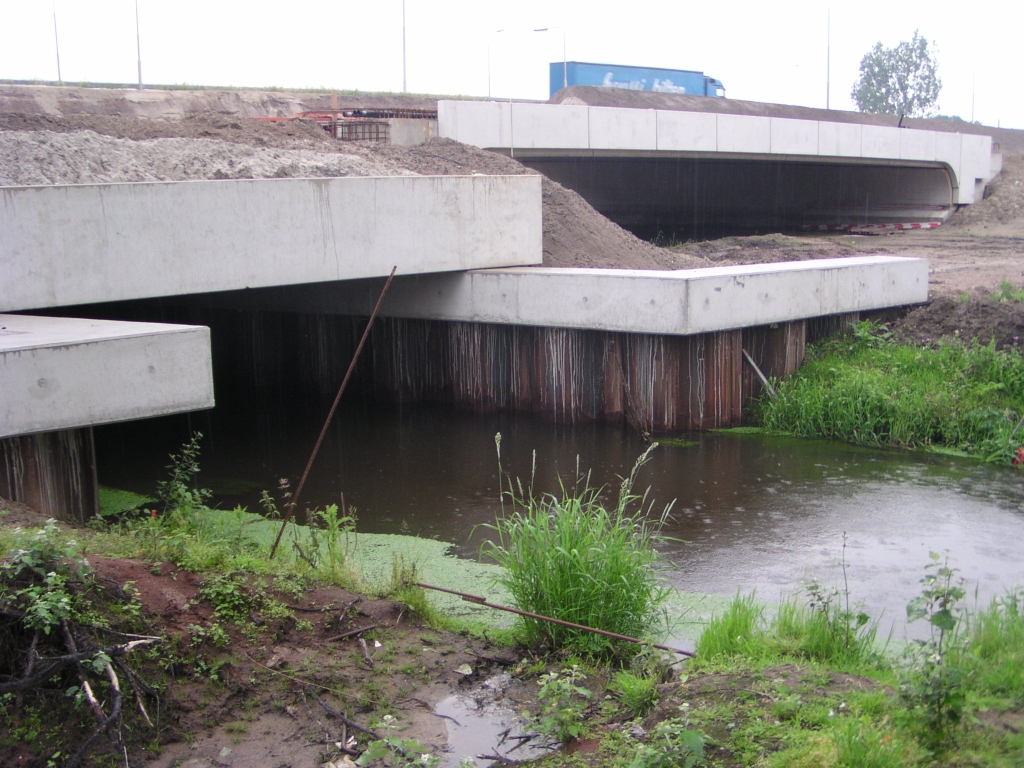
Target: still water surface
column 750, row 512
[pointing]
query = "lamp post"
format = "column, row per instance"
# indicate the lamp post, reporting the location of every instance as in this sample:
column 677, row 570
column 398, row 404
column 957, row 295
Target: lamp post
column 56, row 42
column 565, row 66
column 496, row 32
column 138, row 42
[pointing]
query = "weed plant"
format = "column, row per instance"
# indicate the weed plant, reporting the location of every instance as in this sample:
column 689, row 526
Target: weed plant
column 869, row 389
column 1008, row 293
column 572, row 558
column 638, row 693
column 563, row 699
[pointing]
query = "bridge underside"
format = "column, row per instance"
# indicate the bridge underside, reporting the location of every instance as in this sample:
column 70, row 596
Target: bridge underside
column 698, row 197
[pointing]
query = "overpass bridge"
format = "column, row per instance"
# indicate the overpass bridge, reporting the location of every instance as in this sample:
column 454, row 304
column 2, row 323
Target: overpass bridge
column 469, row 322
column 693, row 174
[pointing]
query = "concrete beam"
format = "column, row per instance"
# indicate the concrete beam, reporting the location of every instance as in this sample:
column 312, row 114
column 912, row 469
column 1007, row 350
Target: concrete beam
column 683, row 302
column 58, row 373
column 68, row 245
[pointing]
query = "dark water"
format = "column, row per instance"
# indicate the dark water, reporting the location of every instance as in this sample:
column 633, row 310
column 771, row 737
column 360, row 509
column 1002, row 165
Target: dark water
column 751, row 511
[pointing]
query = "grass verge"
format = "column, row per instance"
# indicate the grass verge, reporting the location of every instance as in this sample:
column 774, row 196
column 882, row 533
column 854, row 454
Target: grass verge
column 868, row 389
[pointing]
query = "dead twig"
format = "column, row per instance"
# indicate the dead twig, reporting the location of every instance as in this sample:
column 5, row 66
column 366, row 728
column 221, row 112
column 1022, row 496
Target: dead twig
column 350, row 633
column 29, row 663
column 335, row 713
column 366, row 653
column 478, row 600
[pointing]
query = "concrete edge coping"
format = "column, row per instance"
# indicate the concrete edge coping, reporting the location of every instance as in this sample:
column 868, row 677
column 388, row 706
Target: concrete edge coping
column 737, row 270
column 20, row 333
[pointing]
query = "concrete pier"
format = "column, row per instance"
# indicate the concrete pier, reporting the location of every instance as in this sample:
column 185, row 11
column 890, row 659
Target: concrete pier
column 660, row 350
column 59, row 376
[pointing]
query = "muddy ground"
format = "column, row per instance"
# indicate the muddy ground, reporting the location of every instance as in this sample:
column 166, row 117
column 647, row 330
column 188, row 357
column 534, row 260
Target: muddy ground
column 270, row 692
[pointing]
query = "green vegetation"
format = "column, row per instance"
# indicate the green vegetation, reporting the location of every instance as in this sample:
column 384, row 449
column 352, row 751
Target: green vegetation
column 572, row 558
column 810, row 688
column 820, row 632
column 638, row 693
column 868, row 389
column 902, row 80
column 1008, row 292
column 563, row 698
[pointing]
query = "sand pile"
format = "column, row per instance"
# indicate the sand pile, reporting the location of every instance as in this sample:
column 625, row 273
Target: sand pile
column 84, row 157
column 1003, row 206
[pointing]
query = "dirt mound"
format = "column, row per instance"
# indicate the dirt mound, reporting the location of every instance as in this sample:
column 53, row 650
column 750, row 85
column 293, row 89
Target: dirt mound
column 84, row 157
column 978, row 318
column 287, row 134
column 55, row 100
column 1003, row 206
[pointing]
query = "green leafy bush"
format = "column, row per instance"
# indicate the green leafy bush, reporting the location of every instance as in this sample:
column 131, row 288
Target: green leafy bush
column 672, row 745
column 563, row 700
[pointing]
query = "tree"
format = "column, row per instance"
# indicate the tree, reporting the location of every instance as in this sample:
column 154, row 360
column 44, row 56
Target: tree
column 898, row 81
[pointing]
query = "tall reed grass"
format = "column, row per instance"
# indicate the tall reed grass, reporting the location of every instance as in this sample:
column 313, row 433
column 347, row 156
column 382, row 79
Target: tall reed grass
column 868, row 389
column 571, row 557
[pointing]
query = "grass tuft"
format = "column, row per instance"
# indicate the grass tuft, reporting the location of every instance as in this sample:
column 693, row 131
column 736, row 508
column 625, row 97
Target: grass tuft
column 573, row 558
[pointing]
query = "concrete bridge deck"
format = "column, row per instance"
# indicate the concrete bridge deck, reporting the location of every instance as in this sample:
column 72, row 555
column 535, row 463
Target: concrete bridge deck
column 83, row 244
column 677, row 302
column 686, row 173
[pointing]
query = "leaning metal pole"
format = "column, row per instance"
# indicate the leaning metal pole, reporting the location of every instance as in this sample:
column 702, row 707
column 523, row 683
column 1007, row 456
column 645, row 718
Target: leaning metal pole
column 603, row 632
column 330, row 414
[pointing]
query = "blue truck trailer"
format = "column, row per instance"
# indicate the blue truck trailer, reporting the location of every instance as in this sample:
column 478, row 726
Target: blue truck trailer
column 634, row 78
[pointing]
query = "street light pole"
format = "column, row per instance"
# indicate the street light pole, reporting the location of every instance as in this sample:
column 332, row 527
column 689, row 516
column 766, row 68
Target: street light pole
column 828, row 60
column 56, row 43
column 565, row 65
column 496, row 32
column 138, row 42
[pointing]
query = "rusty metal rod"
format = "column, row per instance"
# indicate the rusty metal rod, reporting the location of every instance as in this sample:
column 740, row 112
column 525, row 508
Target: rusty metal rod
column 330, row 415
column 603, row 632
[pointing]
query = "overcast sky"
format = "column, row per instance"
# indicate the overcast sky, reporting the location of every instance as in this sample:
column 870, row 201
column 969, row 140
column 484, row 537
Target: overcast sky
column 763, row 51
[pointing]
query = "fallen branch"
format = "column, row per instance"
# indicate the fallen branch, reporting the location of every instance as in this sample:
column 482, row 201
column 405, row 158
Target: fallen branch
column 330, row 415
column 350, row 633
column 47, row 666
column 334, row 713
column 366, row 653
